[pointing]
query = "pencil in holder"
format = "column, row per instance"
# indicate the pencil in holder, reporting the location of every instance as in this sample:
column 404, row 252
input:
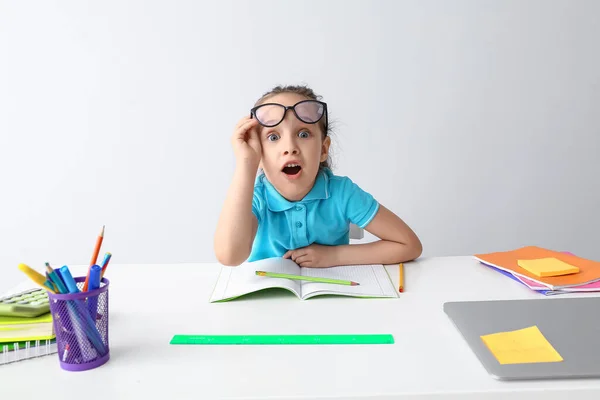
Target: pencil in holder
column 81, row 327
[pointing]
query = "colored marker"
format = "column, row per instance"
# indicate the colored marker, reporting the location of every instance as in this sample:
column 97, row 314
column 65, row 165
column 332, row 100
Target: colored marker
column 36, row 277
column 95, row 277
column 88, row 324
column 94, row 284
column 84, row 320
column 68, row 279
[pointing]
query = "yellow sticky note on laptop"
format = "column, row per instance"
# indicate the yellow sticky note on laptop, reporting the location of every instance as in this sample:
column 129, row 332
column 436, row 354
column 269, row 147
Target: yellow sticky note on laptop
column 548, row 267
column 521, row 346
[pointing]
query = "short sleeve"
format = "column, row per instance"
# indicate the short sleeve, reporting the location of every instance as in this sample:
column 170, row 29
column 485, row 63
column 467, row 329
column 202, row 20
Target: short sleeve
column 360, row 206
column 258, row 202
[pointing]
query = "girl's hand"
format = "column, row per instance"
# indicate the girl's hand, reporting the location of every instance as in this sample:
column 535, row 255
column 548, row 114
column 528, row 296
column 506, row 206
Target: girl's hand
column 245, row 141
column 313, row 256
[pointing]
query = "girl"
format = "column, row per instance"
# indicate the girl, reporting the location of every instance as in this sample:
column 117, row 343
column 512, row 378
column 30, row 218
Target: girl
column 296, row 207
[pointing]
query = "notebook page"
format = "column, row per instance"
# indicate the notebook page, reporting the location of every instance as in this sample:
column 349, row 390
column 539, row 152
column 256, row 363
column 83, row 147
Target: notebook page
column 374, row 281
column 240, row 280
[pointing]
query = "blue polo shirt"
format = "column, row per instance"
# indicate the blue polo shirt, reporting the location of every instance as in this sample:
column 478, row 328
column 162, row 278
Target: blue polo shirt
column 321, row 217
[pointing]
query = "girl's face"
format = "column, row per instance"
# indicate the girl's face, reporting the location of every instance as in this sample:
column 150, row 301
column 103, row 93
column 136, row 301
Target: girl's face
column 292, row 151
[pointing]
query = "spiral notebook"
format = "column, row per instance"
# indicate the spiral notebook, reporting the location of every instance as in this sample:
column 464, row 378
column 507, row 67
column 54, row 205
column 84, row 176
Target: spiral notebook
column 19, row 351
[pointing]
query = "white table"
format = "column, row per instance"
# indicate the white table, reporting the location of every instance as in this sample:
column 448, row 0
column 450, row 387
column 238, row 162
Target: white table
column 430, row 360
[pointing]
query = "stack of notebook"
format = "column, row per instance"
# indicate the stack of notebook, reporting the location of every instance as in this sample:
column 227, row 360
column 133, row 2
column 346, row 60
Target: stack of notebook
column 546, row 271
column 22, row 338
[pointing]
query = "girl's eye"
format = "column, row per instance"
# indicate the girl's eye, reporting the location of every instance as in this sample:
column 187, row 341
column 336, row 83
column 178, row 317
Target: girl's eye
column 303, row 134
column 272, row 137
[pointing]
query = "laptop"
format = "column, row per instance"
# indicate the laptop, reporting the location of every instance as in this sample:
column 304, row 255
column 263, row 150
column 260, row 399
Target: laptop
column 571, row 325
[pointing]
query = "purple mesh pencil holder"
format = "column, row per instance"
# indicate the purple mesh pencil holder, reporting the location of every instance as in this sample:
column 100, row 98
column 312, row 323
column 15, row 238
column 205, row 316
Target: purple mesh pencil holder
column 81, row 327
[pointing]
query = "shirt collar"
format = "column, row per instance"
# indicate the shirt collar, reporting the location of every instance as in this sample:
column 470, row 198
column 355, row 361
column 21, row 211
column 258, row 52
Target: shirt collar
column 276, row 202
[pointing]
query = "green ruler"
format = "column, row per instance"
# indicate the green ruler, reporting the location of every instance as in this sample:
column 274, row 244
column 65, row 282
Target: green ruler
column 281, row 339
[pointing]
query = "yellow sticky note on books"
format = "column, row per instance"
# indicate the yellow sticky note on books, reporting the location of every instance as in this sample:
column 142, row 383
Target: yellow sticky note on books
column 547, row 267
column 522, row 346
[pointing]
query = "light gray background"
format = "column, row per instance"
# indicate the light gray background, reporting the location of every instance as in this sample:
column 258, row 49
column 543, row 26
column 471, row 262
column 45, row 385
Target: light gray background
column 475, row 121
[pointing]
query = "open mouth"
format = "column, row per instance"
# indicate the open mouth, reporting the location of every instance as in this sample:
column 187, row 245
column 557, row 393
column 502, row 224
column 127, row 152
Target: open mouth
column 292, row 169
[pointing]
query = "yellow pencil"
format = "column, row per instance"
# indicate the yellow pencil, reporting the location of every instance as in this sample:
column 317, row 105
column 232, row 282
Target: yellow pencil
column 401, row 279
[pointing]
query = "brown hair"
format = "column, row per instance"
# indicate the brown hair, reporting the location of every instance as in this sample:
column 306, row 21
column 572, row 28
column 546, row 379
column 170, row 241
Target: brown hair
column 307, row 92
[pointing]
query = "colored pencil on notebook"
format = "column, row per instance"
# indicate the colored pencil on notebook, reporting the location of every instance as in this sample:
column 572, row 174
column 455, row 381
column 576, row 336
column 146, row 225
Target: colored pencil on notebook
column 306, row 278
column 94, row 258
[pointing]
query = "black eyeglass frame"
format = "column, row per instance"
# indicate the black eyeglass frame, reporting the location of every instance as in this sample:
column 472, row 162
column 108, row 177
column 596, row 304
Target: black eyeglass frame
column 293, row 108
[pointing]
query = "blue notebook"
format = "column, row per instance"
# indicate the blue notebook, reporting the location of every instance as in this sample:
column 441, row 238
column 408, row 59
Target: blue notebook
column 511, row 276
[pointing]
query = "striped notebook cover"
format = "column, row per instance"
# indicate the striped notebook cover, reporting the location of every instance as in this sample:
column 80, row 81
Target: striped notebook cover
column 13, row 352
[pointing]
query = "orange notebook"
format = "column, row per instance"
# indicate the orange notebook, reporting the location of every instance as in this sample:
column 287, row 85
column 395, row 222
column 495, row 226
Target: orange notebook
column 589, row 271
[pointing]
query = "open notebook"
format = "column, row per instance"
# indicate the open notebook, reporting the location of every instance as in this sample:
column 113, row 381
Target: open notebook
column 237, row 281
